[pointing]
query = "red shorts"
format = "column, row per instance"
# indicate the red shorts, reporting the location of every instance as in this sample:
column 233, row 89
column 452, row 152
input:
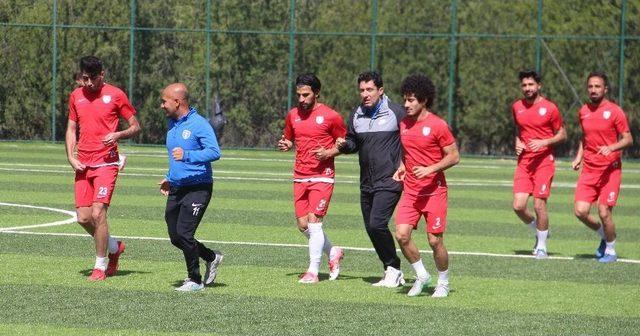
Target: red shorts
column 603, row 186
column 432, row 207
column 534, row 179
column 95, row 185
column 312, row 197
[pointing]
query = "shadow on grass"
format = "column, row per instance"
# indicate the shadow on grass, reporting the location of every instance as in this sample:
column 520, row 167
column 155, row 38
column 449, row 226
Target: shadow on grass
column 528, row 252
column 87, row 272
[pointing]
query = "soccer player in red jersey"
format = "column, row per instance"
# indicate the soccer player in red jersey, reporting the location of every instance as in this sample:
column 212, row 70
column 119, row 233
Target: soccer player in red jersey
column 605, row 133
column 94, row 111
column 314, row 127
column 540, row 128
column 429, row 149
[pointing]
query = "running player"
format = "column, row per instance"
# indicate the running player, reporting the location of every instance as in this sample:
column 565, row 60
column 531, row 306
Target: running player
column 539, row 128
column 314, row 127
column 429, row 149
column 605, row 133
column 94, row 111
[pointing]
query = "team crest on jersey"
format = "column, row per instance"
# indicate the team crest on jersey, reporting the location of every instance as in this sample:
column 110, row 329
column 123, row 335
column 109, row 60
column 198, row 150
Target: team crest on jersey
column 606, row 114
column 319, row 120
column 186, row 134
column 542, row 111
column 106, row 99
column 426, row 131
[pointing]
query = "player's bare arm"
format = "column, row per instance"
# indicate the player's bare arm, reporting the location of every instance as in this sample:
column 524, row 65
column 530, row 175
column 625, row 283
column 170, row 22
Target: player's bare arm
column 450, row 159
column 400, row 173
column 325, row 153
column 578, row 160
column 538, row 144
column 625, row 141
column 70, row 145
column 284, row 144
column 133, row 130
column 520, row 146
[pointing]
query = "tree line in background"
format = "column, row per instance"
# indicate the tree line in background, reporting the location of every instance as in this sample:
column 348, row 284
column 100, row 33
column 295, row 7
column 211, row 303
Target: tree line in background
column 249, row 71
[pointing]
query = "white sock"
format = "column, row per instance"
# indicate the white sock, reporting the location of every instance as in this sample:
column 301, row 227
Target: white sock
column 113, row 245
column 533, row 225
column 611, row 248
column 421, row 272
column 542, row 239
column 101, row 263
column 316, row 242
column 327, row 247
column 601, row 231
column 443, row 277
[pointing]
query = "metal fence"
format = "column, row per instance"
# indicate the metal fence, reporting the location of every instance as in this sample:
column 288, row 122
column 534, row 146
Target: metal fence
column 454, row 36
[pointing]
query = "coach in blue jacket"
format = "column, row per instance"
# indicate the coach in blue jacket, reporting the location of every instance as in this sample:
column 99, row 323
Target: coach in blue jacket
column 192, row 146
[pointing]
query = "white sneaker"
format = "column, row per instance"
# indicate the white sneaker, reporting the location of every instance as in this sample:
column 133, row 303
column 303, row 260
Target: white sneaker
column 334, row 263
column 190, row 286
column 392, row 278
column 212, row 268
column 541, row 254
column 418, row 285
column 442, row 290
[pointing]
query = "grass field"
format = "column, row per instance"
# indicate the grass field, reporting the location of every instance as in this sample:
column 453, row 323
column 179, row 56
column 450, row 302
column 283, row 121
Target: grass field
column 497, row 288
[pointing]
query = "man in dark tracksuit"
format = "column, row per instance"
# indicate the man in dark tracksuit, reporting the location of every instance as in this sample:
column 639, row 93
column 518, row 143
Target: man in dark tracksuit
column 192, row 146
column 373, row 132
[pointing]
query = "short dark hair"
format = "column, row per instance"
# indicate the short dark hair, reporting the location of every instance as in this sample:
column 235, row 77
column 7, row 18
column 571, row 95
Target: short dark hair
column 91, row 65
column 370, row 76
column 421, row 87
column 600, row 74
column 309, row 79
column 530, row 73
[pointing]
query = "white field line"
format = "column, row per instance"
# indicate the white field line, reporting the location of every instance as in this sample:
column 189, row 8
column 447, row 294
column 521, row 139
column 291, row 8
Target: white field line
column 339, row 180
column 478, row 254
column 19, row 230
column 63, row 222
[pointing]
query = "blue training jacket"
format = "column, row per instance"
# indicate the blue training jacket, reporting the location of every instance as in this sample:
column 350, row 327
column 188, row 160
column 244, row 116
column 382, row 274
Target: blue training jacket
column 196, row 137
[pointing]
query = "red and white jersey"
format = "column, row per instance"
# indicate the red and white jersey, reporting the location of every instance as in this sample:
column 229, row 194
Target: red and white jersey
column 601, row 126
column 423, row 142
column 97, row 115
column 540, row 120
column 316, row 129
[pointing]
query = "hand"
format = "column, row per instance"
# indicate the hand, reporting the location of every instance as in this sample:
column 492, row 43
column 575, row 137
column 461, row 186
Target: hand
column 320, row 153
column 340, row 142
column 520, row 146
column 177, row 153
column 164, row 187
column 399, row 174
column 605, row 150
column 421, row 172
column 576, row 164
column 284, row 144
column 537, row 144
column 111, row 139
column 77, row 165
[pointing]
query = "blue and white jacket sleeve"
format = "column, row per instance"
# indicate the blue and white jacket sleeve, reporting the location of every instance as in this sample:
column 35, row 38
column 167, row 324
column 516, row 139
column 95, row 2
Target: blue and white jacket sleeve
column 209, row 149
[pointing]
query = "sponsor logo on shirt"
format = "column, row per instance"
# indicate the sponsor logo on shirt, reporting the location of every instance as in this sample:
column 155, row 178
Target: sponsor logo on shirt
column 81, row 100
column 543, row 189
column 328, row 171
column 106, row 99
column 542, row 111
column 319, row 120
column 612, row 197
column 426, row 131
column 606, row 114
column 186, row 134
column 297, row 119
column 550, row 157
column 520, row 111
